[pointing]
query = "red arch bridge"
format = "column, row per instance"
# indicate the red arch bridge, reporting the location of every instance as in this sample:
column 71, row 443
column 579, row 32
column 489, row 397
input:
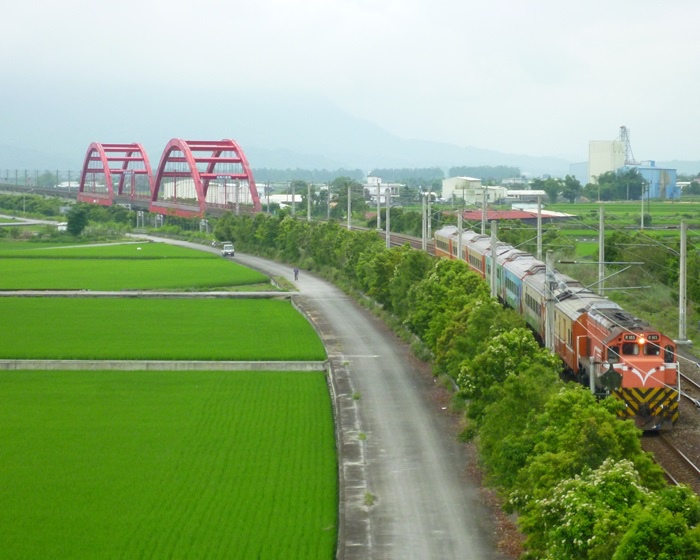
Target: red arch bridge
column 192, row 178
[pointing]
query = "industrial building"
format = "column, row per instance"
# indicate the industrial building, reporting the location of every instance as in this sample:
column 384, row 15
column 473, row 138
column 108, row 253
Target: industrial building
column 616, row 156
column 661, row 181
column 604, row 156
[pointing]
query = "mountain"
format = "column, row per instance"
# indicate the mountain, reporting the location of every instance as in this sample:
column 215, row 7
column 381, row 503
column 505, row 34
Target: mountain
column 275, row 132
column 682, row 167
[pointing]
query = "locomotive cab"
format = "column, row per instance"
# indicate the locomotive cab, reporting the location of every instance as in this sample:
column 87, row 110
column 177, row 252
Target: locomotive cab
column 645, row 364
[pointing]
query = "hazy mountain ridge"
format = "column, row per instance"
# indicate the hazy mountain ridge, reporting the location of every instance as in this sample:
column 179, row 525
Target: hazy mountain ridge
column 275, row 132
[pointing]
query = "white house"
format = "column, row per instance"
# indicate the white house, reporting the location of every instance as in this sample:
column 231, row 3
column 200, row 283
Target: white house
column 470, row 190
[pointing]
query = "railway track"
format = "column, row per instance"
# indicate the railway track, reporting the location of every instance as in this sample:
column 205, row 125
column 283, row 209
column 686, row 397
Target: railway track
column 690, row 389
column 679, row 468
column 399, row 239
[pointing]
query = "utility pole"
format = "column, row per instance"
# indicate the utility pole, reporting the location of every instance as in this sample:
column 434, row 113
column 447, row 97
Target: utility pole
column 539, row 228
column 459, row 234
column 349, row 205
column 424, row 228
column 379, row 208
column 549, row 302
column 388, row 217
column 237, row 186
column 483, row 210
column 494, row 245
column 308, row 202
column 682, row 296
column 293, row 197
column 430, row 213
column 601, row 250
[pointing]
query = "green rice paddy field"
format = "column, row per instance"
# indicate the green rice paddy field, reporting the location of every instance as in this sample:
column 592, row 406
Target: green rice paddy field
column 166, row 465
column 129, row 266
column 155, row 329
column 135, row 464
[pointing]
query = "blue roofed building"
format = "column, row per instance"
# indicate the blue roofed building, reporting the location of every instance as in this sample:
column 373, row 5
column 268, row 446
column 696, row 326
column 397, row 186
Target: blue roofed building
column 661, row 181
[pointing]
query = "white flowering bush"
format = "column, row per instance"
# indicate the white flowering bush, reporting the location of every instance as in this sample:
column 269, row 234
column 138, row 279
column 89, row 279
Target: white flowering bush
column 585, row 516
column 509, row 353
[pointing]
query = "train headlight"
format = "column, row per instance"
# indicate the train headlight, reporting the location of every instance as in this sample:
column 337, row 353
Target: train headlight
column 641, row 340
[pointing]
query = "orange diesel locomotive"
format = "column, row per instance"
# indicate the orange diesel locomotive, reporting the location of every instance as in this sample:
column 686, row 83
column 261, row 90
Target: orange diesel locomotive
column 601, row 345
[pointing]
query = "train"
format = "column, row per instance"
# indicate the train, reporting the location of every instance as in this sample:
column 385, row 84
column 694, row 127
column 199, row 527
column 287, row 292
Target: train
column 601, row 345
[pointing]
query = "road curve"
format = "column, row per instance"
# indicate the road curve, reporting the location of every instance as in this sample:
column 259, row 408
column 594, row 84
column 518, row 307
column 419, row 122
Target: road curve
column 402, row 473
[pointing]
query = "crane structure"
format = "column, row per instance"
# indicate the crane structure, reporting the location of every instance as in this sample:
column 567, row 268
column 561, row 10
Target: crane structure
column 625, row 139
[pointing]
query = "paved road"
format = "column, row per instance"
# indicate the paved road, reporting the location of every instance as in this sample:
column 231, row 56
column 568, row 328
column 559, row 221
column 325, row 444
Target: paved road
column 395, row 441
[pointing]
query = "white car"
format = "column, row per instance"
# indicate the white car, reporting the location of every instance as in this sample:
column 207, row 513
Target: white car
column 227, row 250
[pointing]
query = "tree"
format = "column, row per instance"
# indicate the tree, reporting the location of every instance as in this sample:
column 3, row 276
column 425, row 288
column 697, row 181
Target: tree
column 503, row 449
column 631, row 184
column 223, row 230
column 463, row 334
column 509, row 353
column 553, row 187
column 693, row 278
column 585, row 516
column 375, row 271
column 77, row 219
column 658, row 532
column 624, row 184
column 410, row 270
column 574, row 433
column 572, row 188
column 340, row 190
column 693, row 188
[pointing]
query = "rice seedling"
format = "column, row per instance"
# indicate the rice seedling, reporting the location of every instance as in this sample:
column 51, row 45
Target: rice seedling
column 122, row 267
column 166, row 465
column 155, row 329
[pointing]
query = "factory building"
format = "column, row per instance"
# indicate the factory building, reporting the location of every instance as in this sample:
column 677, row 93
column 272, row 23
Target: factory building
column 604, row 156
column 616, row 156
column 661, row 181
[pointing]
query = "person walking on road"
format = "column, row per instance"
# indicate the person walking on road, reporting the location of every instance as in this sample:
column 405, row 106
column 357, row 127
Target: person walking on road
column 296, row 274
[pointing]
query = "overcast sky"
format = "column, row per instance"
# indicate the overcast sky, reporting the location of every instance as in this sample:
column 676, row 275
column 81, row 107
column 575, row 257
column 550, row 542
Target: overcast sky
column 517, row 76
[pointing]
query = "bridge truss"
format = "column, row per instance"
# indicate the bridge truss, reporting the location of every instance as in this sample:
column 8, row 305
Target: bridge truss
column 127, row 163
column 194, row 175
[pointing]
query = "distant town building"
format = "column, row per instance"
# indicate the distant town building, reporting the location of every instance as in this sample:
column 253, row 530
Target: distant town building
column 285, row 199
column 525, row 216
column 528, row 195
column 470, row 191
column 374, row 187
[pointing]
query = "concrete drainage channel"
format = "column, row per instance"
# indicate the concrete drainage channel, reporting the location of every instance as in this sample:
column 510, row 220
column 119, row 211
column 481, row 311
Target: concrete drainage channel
column 160, row 365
